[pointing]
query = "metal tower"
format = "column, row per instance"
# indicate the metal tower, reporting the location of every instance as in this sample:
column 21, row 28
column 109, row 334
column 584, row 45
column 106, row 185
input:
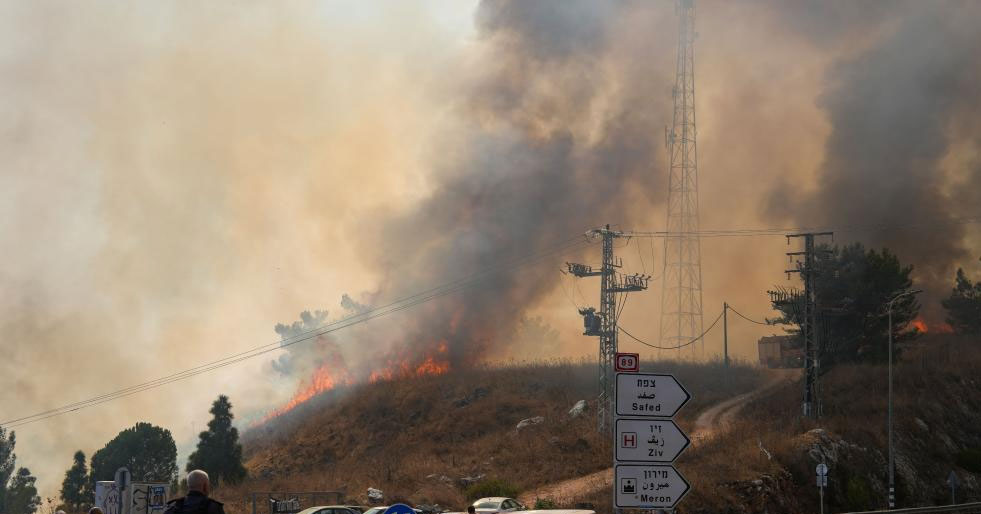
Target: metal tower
column 681, row 293
column 604, row 322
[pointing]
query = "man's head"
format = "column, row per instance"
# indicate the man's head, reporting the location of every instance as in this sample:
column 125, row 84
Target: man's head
column 95, row 510
column 197, row 480
column 471, row 509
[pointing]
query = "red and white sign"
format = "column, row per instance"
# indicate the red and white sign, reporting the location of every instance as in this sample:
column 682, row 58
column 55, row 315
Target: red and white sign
column 629, row 440
column 627, row 362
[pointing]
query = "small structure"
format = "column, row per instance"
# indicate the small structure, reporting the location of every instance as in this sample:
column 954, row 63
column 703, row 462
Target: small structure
column 781, row 352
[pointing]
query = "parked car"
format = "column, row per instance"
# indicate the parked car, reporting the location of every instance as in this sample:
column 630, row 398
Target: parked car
column 330, row 509
column 496, row 504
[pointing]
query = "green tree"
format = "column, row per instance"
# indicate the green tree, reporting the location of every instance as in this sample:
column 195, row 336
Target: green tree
column 852, row 287
column 22, row 497
column 74, row 487
column 7, row 460
column 964, row 305
column 147, row 451
column 219, row 452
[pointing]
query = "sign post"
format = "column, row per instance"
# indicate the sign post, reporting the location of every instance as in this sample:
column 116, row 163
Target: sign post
column 647, row 440
column 953, row 482
column 122, row 480
column 822, row 481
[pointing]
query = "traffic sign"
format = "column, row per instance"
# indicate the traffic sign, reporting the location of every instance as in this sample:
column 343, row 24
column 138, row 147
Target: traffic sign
column 627, row 362
column 638, row 486
column 399, row 508
column 822, row 469
column 649, row 394
column 649, row 440
column 822, row 480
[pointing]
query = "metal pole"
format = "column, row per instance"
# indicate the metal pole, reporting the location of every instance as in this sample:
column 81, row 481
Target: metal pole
column 892, row 469
column 821, row 493
column 725, row 332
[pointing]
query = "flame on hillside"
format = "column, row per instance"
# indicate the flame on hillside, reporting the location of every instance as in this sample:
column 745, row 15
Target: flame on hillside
column 334, row 373
column 921, row 326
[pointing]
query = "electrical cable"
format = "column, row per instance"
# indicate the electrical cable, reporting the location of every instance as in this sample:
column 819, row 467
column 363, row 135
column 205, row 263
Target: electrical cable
column 361, row 317
column 745, row 318
column 693, row 341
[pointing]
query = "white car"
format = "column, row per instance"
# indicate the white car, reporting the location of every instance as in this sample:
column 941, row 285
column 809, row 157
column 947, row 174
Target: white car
column 496, row 504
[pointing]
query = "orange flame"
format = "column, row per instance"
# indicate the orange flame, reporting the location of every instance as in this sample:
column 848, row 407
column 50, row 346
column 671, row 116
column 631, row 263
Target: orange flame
column 322, row 380
column 920, row 326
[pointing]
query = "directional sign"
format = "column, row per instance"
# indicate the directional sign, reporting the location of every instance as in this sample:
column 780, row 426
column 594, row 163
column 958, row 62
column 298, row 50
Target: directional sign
column 627, row 362
column 821, row 469
column 649, row 394
column 649, row 440
column 648, row 487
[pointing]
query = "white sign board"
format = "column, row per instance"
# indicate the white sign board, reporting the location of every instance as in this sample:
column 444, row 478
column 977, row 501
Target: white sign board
column 821, row 469
column 638, row 486
column 649, row 394
column 138, row 498
column 649, row 440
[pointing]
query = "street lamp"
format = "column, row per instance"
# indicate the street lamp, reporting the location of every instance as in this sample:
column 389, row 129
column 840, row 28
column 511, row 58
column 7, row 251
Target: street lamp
column 892, row 462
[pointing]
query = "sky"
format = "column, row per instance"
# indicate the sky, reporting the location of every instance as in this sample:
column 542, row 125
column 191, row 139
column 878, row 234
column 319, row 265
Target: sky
column 180, row 177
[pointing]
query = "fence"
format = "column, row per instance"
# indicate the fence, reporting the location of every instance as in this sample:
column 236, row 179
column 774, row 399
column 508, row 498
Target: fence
column 963, row 508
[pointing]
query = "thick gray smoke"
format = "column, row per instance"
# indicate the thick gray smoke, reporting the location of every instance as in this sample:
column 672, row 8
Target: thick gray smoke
column 553, row 147
column 896, row 105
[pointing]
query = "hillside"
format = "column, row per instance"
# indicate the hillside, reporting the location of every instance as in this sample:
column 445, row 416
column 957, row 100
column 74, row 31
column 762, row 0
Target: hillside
column 424, row 439
column 765, row 461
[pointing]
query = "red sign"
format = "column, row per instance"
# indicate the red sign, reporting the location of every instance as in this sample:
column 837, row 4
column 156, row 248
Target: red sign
column 629, row 440
column 627, row 362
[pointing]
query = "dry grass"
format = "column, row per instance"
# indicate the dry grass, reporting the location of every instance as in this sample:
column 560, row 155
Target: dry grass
column 393, row 435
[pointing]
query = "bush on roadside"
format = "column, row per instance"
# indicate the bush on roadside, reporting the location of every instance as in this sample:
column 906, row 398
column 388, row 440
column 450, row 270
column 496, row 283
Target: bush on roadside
column 491, row 487
column 544, row 503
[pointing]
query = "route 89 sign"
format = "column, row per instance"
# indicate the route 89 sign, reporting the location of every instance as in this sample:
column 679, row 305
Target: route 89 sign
column 627, row 362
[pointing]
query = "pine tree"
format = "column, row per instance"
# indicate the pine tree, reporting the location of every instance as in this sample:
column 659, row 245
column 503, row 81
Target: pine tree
column 219, row 452
column 148, row 451
column 7, row 459
column 964, row 305
column 22, row 495
column 73, row 488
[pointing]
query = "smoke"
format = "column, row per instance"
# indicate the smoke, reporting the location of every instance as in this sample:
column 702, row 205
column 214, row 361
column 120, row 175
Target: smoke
column 895, row 105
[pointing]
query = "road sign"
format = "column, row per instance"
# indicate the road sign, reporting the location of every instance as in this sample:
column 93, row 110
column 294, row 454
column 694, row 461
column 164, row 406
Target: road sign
column 627, row 362
column 822, row 480
column 399, row 508
column 822, row 469
column 649, row 394
column 638, row 486
column 649, row 440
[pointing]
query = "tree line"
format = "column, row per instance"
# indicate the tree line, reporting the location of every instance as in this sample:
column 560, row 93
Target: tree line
column 853, row 284
column 148, row 451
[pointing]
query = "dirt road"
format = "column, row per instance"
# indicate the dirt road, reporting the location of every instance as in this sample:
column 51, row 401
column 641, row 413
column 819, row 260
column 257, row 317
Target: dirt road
column 711, row 421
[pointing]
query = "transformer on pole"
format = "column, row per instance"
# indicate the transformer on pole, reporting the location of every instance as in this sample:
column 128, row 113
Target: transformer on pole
column 604, row 322
column 681, row 293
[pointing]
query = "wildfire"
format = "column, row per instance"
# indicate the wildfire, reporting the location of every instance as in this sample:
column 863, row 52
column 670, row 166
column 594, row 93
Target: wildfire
column 335, row 373
column 322, row 380
column 920, row 326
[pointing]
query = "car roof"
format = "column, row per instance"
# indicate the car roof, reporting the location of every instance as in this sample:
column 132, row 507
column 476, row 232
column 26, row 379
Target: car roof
column 492, row 499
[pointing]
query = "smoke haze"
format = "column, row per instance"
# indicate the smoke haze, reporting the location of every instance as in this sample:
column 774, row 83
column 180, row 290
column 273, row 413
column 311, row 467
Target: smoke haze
column 179, row 178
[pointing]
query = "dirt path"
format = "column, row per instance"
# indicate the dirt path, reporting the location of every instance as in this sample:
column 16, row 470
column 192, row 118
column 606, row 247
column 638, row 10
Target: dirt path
column 708, row 423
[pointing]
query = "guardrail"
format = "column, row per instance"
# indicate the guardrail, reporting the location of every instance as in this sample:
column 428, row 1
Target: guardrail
column 962, row 508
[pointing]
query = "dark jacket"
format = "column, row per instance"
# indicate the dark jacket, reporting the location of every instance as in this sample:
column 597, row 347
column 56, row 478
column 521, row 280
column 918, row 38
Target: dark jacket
column 194, row 503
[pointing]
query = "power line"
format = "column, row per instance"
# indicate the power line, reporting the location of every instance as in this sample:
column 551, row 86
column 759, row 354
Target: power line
column 567, row 245
column 745, row 318
column 641, row 341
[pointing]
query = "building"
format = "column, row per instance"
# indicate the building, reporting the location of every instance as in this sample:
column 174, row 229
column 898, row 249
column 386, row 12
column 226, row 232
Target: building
column 781, row 352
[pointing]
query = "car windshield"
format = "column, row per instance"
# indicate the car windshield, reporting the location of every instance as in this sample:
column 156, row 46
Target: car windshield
column 488, row 505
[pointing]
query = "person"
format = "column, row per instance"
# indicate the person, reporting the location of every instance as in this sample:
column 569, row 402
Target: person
column 95, row 510
column 196, row 501
column 471, row 509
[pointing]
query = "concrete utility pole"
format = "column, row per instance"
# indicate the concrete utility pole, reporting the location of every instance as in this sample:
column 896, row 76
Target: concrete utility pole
column 604, row 322
column 725, row 333
column 681, row 292
column 892, row 462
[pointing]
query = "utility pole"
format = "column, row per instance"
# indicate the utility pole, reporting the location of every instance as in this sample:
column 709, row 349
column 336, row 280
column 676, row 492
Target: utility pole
column 725, row 333
column 808, row 321
column 604, row 322
column 681, row 292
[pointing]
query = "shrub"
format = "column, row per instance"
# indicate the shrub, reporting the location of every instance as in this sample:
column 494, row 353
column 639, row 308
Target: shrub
column 491, row 487
column 544, row 503
column 858, row 494
column 970, row 459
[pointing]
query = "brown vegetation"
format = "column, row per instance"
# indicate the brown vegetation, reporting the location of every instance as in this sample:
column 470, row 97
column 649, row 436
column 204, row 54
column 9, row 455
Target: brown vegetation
column 419, row 439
